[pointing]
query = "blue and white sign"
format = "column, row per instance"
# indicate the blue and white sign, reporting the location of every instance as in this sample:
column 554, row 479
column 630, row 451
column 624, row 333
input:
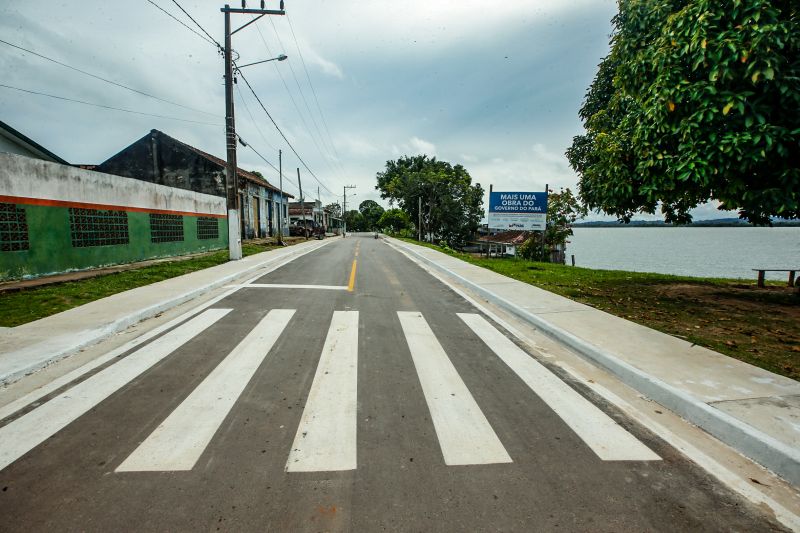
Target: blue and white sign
column 518, row 211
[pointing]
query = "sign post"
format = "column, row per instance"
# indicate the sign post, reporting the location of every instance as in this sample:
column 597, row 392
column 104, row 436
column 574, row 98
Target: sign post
column 526, row 211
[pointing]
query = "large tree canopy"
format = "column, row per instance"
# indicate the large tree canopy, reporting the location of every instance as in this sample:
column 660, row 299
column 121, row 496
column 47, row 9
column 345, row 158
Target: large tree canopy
column 698, row 100
column 372, row 212
column 451, row 205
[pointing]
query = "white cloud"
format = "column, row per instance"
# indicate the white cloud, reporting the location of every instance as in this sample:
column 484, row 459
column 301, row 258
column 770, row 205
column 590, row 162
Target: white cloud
column 421, row 146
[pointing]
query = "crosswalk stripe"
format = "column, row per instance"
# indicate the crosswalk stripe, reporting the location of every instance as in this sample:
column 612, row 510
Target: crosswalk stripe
column 326, row 436
column 23, row 434
column 465, row 436
column 599, row 431
column 179, row 441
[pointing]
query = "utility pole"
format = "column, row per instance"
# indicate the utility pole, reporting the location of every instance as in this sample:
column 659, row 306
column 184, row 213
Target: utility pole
column 302, row 204
column 544, row 231
column 232, row 182
column 344, row 209
column 419, row 219
column 280, row 200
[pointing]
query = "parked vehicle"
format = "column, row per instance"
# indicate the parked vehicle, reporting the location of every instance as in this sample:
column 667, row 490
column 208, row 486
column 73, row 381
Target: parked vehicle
column 307, row 229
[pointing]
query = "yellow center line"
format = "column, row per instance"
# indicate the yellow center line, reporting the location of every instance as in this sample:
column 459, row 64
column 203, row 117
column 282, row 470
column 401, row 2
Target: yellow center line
column 352, row 278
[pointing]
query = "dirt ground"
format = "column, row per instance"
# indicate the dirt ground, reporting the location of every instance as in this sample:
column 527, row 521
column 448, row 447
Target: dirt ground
column 757, row 325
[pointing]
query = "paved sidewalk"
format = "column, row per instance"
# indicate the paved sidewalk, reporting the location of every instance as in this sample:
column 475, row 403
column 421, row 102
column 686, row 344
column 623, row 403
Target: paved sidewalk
column 23, row 350
column 753, row 410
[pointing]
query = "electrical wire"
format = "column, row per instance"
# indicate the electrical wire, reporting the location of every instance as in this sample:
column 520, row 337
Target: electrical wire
column 252, row 118
column 219, row 46
column 108, row 106
column 313, row 91
column 294, row 102
column 326, row 153
column 95, row 76
column 332, row 162
column 176, row 19
column 282, row 134
column 248, row 145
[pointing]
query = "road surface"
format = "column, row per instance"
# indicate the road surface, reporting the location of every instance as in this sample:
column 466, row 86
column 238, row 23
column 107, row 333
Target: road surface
column 346, row 391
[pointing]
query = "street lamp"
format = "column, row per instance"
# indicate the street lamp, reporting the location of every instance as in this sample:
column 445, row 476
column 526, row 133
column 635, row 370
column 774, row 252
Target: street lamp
column 282, row 57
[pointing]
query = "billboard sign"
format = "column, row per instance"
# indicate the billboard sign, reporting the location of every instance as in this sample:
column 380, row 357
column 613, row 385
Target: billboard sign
column 518, row 211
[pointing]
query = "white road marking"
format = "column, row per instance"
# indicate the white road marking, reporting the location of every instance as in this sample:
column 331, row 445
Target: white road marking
column 269, row 266
column 326, row 437
column 465, row 436
column 599, row 431
column 287, row 286
column 25, row 433
column 179, row 441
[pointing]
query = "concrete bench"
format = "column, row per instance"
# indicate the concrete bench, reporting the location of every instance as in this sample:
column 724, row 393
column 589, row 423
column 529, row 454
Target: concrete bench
column 762, row 271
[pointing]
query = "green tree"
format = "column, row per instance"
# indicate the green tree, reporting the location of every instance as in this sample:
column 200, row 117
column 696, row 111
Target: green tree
column 698, row 100
column 372, row 212
column 394, row 220
column 355, row 221
column 335, row 209
column 451, row 205
column 563, row 209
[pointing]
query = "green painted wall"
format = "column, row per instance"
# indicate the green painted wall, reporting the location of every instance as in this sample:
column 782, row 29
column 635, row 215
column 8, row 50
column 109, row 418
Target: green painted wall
column 51, row 249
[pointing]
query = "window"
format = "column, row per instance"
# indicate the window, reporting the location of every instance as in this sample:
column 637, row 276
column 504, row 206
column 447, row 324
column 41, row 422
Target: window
column 13, row 229
column 166, row 228
column 207, row 228
column 95, row 227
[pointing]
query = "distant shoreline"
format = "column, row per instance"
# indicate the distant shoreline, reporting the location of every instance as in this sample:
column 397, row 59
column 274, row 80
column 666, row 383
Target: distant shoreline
column 716, row 223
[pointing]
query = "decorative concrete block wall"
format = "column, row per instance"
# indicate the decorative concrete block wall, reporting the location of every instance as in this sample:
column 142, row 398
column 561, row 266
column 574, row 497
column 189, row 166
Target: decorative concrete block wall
column 56, row 218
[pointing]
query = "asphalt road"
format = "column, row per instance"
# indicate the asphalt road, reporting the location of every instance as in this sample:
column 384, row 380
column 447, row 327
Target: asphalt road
column 394, row 406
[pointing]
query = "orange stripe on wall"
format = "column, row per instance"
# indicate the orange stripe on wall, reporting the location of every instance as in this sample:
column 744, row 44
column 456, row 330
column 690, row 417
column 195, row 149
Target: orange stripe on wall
column 83, row 205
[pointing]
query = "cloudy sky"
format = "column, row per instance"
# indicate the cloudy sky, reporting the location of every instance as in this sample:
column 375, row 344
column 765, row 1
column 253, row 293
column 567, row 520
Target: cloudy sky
column 495, row 86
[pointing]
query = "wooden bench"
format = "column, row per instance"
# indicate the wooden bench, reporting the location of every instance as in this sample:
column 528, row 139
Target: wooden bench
column 762, row 271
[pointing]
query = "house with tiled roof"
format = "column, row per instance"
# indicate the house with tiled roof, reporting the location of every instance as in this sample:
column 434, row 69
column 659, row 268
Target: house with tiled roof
column 159, row 158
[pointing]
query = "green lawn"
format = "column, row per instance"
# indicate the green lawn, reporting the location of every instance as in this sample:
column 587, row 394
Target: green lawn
column 27, row 305
column 734, row 317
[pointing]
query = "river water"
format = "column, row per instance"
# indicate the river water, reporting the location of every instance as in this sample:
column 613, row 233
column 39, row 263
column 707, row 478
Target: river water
column 688, row 251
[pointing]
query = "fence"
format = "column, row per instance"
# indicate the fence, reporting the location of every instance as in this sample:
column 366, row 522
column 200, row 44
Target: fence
column 57, row 218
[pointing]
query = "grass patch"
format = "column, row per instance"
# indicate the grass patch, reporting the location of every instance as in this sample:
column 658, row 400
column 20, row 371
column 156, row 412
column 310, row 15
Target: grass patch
column 20, row 307
column 734, row 317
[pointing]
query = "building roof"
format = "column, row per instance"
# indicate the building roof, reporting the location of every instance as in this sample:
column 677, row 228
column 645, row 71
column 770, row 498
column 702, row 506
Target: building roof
column 29, row 144
column 507, row 237
column 240, row 171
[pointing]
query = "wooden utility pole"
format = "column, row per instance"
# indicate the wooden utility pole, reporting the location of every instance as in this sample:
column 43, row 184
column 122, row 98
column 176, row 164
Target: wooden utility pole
column 546, row 186
column 231, row 181
column 419, row 219
column 280, row 199
column 344, row 209
column 302, row 205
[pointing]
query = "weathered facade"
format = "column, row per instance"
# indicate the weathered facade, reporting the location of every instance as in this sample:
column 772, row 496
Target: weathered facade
column 310, row 211
column 161, row 159
column 56, row 218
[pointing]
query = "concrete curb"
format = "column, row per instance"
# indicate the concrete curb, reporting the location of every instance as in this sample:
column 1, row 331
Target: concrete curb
column 50, row 351
column 755, row 444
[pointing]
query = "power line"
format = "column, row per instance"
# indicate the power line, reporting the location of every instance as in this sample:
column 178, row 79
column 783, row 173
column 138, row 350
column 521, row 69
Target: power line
column 303, row 96
column 313, row 91
column 95, row 76
column 326, row 153
column 219, row 46
column 282, row 135
column 173, row 17
column 294, row 102
column 252, row 118
column 108, row 106
column 293, row 184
